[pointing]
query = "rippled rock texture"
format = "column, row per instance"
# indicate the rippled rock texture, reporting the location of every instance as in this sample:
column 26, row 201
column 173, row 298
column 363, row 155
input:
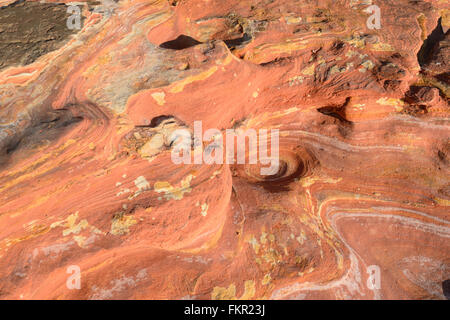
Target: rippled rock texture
column 87, row 180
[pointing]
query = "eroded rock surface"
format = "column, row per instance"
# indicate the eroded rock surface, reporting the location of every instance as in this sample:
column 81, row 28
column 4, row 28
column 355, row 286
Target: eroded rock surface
column 86, row 176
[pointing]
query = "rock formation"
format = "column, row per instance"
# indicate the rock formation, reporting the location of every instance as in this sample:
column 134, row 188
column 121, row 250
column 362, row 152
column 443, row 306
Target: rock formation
column 87, row 179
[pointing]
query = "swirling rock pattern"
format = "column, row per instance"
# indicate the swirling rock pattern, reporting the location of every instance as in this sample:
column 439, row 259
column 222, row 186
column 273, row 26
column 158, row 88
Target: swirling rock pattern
column 86, row 176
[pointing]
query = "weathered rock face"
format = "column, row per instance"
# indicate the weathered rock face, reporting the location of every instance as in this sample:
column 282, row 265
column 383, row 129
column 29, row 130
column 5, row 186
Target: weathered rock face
column 87, row 179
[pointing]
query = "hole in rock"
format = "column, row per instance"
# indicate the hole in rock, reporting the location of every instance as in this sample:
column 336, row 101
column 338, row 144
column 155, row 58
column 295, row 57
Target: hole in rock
column 292, row 166
column 156, row 121
column 337, row 47
column 444, row 77
column 446, row 288
column 232, row 44
column 337, row 112
column 430, row 44
column 180, row 43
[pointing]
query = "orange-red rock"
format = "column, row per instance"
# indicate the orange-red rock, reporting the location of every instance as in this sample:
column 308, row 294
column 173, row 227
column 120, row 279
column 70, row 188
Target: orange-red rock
column 87, row 179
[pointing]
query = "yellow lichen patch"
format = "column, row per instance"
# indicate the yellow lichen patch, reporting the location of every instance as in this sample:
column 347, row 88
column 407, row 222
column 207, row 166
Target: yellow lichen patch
column 70, row 224
column 80, row 240
column 442, row 202
column 351, row 53
column 296, row 80
column 265, row 249
column 204, row 208
column 215, row 174
column 178, row 87
column 121, row 225
column 397, row 103
column 142, row 184
column 379, row 46
column 302, row 237
column 91, row 146
column 356, row 41
column 159, row 97
column 221, row 293
column 72, row 227
column 254, row 244
column 266, row 280
column 293, row 20
column 249, row 290
column 309, row 71
column 171, row 192
column 366, row 65
column 263, row 238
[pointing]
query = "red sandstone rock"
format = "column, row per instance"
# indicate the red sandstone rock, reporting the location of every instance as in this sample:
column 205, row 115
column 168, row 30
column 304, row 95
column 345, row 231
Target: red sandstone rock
column 87, row 179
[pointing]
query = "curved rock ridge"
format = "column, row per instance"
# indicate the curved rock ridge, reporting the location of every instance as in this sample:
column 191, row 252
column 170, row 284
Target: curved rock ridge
column 357, row 209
